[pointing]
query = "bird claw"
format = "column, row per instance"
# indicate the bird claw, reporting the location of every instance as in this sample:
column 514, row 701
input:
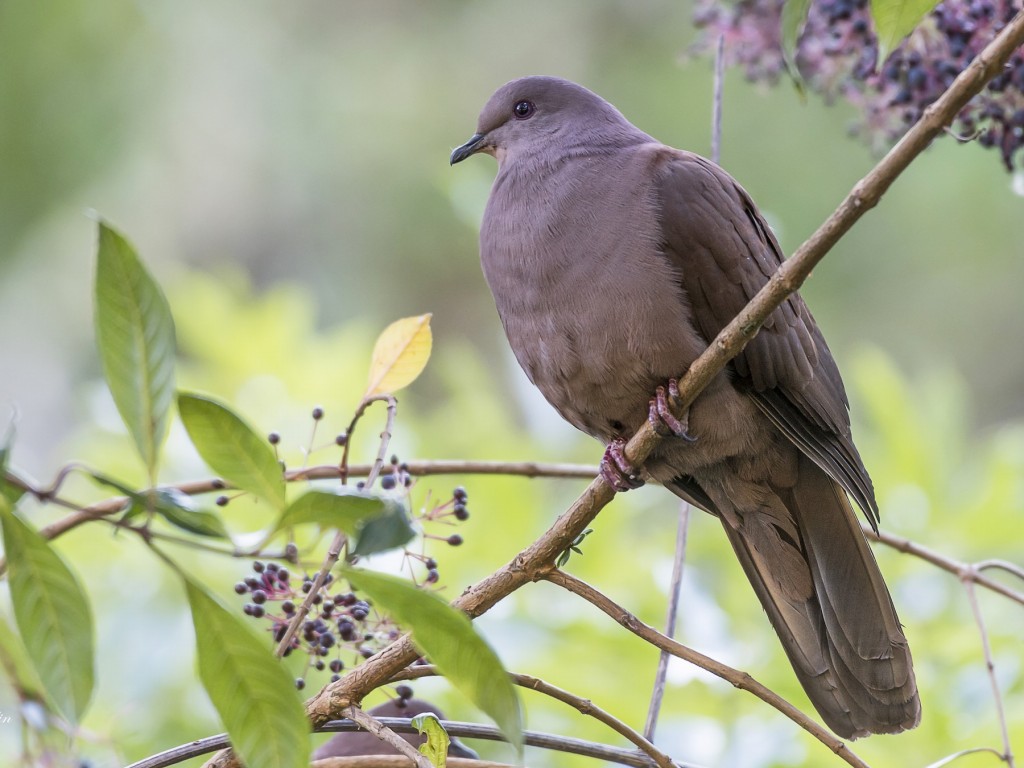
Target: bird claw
column 662, row 420
column 617, row 470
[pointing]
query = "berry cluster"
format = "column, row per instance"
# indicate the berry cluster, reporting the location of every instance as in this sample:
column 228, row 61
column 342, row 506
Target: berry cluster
column 450, row 512
column 338, row 621
column 837, row 53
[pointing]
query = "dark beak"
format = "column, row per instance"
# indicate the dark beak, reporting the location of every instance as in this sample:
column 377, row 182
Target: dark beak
column 476, row 142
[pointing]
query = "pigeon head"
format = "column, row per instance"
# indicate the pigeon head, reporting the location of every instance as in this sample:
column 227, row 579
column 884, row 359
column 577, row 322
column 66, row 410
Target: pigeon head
column 540, row 114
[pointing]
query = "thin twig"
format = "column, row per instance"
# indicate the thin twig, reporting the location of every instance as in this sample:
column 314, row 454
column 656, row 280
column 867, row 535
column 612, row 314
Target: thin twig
column 584, row 706
column 716, row 110
column 343, row 468
column 675, row 587
column 420, row 468
column 949, row 759
column 961, row 570
column 735, row 677
column 429, row 467
column 369, row 723
column 990, row 666
column 1002, row 565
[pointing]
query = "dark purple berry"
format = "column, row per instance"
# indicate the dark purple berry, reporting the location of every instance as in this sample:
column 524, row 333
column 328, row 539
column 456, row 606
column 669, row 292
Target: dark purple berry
column 341, row 439
column 455, row 540
column 335, row 678
column 318, row 413
column 258, row 612
column 387, row 482
column 273, row 438
column 430, row 563
column 300, row 683
column 404, row 692
column 259, row 596
column 347, row 630
column 241, row 588
column 222, row 501
column 433, row 576
column 252, row 582
column 337, row 665
column 460, row 512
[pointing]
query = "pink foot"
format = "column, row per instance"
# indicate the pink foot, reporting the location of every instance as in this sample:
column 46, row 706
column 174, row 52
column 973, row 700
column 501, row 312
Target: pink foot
column 616, row 469
column 663, row 421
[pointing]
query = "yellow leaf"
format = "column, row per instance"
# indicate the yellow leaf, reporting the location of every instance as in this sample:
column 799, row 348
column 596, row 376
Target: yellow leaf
column 400, row 354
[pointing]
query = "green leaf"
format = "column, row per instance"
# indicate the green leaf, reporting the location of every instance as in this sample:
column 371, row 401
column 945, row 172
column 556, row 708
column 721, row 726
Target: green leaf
column 895, row 19
column 345, row 508
column 448, row 638
column 435, row 748
column 389, row 530
column 135, row 336
column 9, row 491
column 249, row 687
column 794, row 16
column 177, row 508
column 53, row 616
column 180, row 510
column 18, row 665
column 231, row 448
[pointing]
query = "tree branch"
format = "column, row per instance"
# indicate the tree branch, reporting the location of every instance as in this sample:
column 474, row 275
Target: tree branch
column 963, row 571
column 735, row 677
column 584, row 706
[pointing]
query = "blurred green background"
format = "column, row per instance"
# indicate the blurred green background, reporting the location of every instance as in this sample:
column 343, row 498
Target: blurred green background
column 282, row 168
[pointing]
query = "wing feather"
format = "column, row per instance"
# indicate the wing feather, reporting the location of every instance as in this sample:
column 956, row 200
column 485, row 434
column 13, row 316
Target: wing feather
column 725, row 253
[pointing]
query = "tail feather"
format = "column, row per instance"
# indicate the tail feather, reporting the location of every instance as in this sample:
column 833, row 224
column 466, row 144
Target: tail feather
column 841, row 632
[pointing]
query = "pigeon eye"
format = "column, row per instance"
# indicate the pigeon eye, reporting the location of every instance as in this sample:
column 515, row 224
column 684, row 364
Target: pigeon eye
column 523, row 110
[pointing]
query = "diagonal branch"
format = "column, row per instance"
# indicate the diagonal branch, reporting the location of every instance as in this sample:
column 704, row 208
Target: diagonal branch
column 741, row 680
